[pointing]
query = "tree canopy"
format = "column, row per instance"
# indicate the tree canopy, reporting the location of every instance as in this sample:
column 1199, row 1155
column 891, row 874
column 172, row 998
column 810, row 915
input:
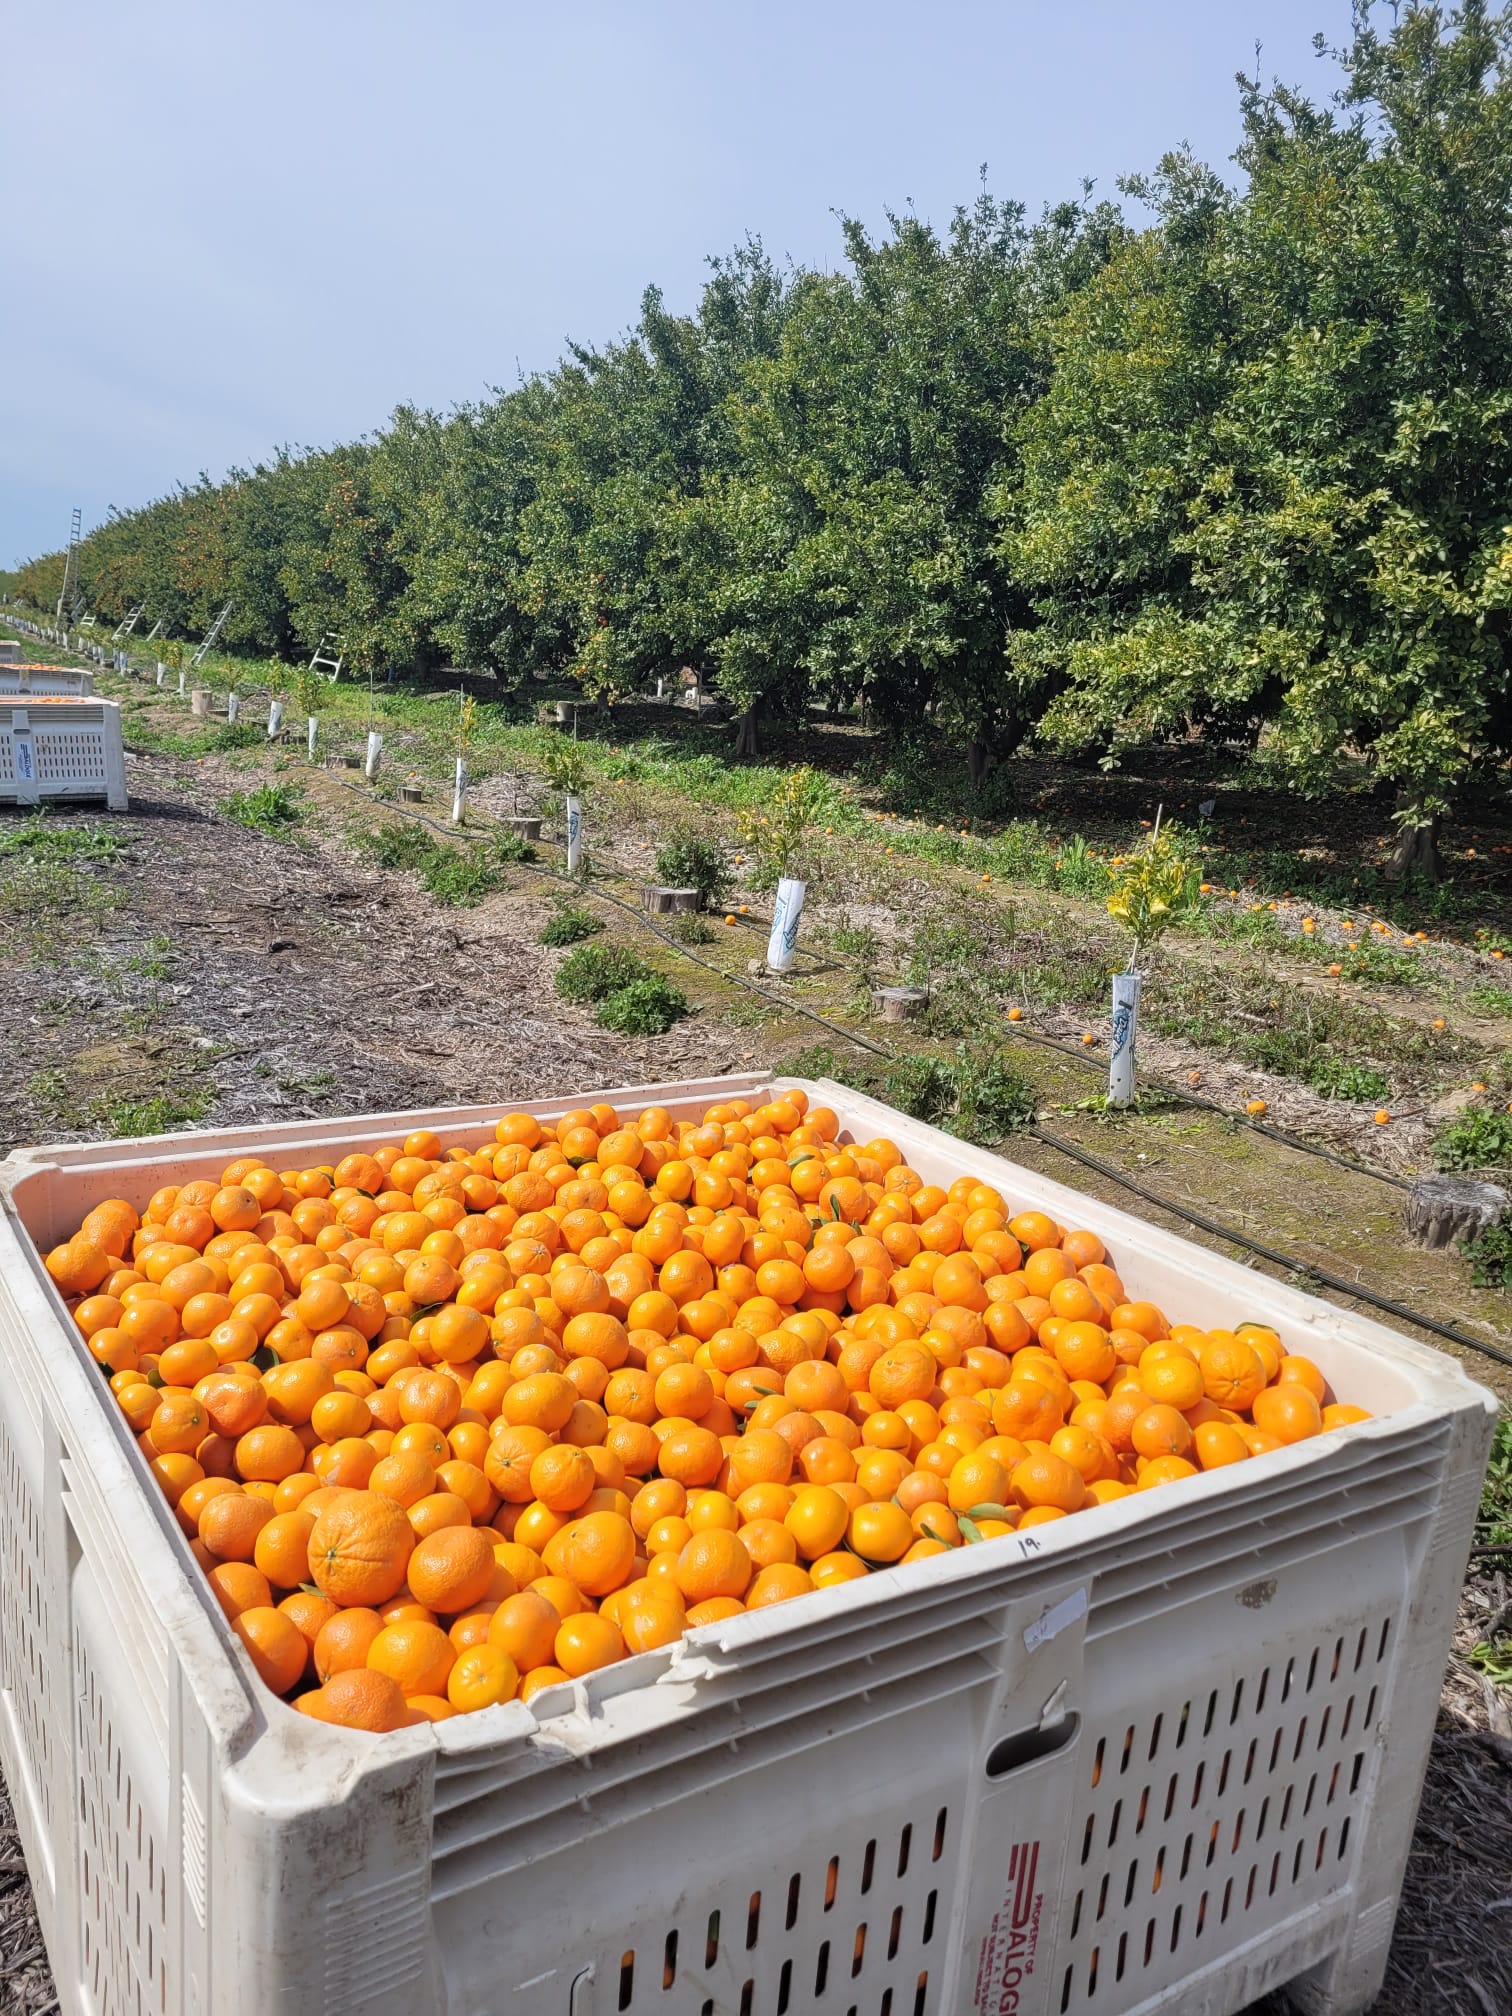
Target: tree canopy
column 1240, row 469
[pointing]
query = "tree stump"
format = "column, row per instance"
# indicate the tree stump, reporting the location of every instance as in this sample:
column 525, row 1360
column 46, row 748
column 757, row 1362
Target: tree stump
column 1442, row 1210
column 526, row 827
column 900, row 1004
column 658, row 901
column 411, row 794
column 199, row 701
column 563, row 712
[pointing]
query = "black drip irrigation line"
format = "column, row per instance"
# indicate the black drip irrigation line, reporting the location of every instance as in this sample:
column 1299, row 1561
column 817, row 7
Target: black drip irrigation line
column 1215, row 1227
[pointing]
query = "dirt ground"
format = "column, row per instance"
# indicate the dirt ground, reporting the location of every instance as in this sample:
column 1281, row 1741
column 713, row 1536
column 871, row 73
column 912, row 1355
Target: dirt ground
column 208, row 971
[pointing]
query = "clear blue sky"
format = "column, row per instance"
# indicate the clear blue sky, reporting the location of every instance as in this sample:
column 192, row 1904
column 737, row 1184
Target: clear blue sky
column 295, row 214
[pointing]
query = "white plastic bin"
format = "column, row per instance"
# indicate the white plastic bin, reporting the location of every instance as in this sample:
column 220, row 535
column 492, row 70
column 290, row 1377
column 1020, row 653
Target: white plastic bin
column 50, row 681
column 1163, row 1756
column 61, row 750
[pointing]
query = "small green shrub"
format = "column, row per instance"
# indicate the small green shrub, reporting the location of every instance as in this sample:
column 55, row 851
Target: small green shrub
column 271, row 808
column 568, row 926
column 978, row 1095
column 1334, row 1080
column 646, row 1007
column 1380, row 965
column 1478, row 1139
column 687, row 861
column 594, row 972
column 1493, row 1526
column 401, row 845
column 993, row 1098
column 238, row 735
column 1490, row 1257
column 512, row 849
column 856, row 941
column 688, row 928
column 454, row 876
column 457, row 878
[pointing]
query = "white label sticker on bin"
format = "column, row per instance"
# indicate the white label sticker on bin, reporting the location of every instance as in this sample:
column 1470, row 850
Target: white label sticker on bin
column 1050, row 1623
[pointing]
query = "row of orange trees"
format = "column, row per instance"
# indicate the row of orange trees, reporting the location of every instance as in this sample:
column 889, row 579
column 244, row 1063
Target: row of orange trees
column 1242, row 470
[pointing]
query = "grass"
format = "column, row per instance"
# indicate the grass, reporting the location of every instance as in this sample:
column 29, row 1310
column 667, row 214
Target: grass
column 402, row 845
column 48, row 1090
column 459, row 879
column 1493, row 1525
column 1491, row 999
column 858, row 942
column 161, row 1113
column 42, row 836
column 154, row 963
column 270, row 809
column 1341, row 1049
column 50, row 905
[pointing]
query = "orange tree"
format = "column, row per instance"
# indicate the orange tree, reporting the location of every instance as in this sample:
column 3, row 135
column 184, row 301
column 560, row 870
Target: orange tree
column 1267, row 485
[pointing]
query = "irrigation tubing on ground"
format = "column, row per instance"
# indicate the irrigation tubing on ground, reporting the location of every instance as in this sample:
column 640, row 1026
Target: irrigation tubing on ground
column 1215, row 1227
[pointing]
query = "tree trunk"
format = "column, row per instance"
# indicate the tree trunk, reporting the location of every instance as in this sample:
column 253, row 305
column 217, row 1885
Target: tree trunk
column 979, row 760
column 1444, row 1210
column 747, row 741
column 1417, row 853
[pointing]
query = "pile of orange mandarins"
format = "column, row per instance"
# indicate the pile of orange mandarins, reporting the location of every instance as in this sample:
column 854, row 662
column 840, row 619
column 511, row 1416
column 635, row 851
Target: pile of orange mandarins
column 444, row 1429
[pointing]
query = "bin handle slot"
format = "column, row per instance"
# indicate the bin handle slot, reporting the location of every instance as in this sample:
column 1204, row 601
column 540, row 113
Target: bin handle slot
column 1030, row 1746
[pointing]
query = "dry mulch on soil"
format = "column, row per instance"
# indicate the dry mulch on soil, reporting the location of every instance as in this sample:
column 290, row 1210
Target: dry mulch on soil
column 300, row 982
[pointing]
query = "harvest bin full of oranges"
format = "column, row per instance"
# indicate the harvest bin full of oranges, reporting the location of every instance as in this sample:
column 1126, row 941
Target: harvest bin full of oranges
column 446, row 1429
column 584, row 1482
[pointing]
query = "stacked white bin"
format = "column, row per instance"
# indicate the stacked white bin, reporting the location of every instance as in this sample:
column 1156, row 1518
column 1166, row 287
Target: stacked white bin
column 62, row 750
column 53, row 681
column 1164, row 1756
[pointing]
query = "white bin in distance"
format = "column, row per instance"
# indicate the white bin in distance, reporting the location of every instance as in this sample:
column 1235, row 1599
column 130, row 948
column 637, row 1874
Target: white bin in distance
column 61, row 750
column 1163, row 1756
column 55, row 681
